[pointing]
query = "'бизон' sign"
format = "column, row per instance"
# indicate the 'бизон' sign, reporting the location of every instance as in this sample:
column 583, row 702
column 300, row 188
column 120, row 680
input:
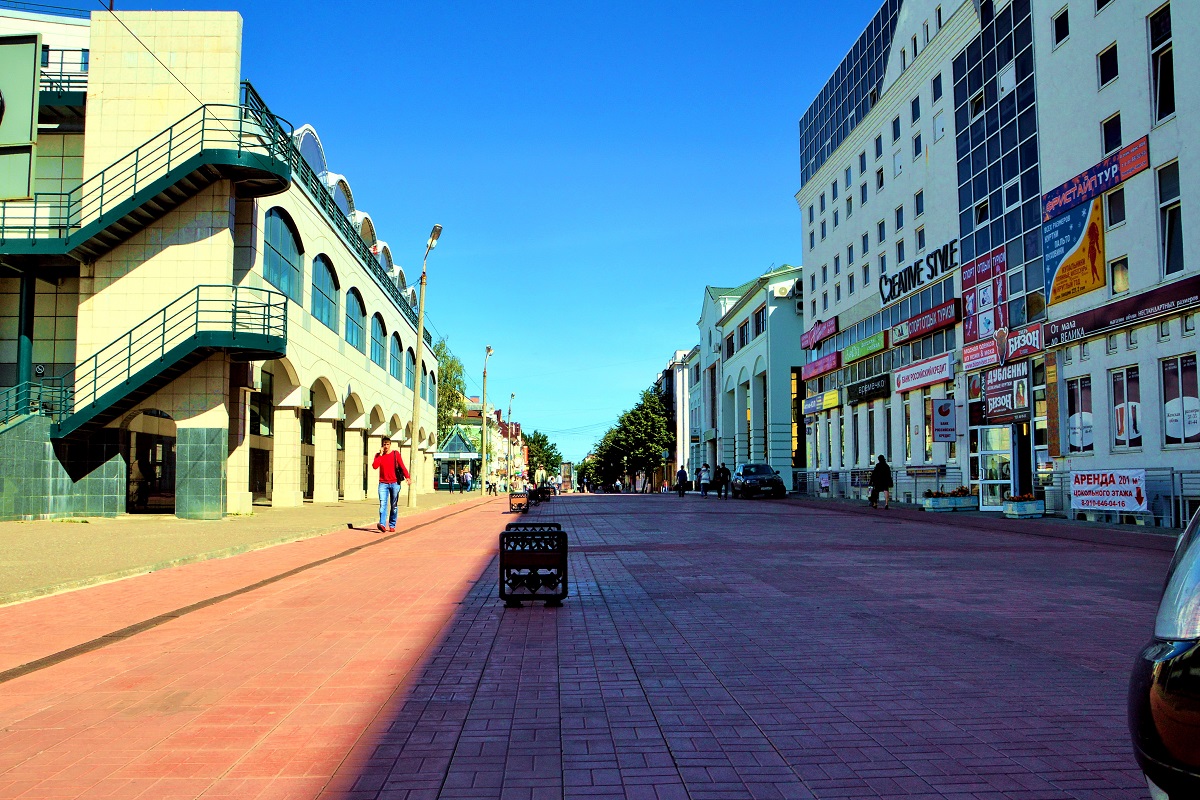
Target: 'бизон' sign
column 1109, row 490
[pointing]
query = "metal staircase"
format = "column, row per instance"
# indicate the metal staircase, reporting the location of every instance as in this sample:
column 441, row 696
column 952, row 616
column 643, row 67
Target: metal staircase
column 250, row 324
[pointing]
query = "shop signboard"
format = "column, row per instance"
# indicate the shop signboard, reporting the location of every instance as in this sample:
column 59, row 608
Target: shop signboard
column 985, row 296
column 1020, row 342
column 864, row 347
column 1117, row 490
column 1006, row 393
column 870, row 389
column 1073, row 252
column 944, row 424
column 980, row 354
column 936, row 318
column 822, row 365
column 819, row 332
column 1115, row 169
column 822, row 401
column 924, row 373
column 1135, row 310
column 939, row 263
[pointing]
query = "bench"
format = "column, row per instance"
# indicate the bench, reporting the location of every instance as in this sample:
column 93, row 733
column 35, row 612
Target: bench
column 533, row 563
column 518, row 501
column 541, row 494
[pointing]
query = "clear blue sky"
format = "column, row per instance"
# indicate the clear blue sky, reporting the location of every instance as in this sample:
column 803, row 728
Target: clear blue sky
column 594, row 166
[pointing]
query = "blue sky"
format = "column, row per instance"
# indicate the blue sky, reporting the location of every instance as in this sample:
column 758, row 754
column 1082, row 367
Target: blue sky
column 594, row 166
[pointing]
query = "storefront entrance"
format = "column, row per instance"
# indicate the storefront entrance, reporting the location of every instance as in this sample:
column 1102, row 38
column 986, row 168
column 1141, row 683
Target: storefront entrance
column 992, row 465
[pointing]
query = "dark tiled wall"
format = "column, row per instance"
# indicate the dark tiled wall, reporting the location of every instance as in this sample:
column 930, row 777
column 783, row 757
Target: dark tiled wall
column 200, row 455
column 39, row 479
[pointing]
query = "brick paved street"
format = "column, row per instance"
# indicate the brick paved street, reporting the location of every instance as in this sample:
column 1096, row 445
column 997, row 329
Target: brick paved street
column 709, row 649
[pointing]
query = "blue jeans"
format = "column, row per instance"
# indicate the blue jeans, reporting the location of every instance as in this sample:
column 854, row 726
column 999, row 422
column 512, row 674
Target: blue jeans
column 389, row 504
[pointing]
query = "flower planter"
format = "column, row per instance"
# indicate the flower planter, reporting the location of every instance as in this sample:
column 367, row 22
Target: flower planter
column 944, row 504
column 1028, row 509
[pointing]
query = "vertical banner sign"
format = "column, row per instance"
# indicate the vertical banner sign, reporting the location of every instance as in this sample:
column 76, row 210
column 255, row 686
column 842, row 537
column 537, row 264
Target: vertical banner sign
column 1053, row 417
column 20, row 73
column 1109, row 490
column 944, row 426
column 1073, row 247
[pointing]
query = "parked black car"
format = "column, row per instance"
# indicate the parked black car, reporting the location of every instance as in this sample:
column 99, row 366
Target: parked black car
column 751, row 479
column 1164, row 691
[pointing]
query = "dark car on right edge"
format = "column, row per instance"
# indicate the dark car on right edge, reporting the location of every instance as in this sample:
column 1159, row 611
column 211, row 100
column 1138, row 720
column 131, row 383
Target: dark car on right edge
column 751, row 479
column 1164, row 691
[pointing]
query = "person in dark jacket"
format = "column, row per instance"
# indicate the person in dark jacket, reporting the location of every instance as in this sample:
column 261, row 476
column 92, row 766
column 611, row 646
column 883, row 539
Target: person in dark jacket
column 881, row 483
column 681, row 481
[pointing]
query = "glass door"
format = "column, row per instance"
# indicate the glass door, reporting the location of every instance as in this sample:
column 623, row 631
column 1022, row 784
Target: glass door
column 995, row 469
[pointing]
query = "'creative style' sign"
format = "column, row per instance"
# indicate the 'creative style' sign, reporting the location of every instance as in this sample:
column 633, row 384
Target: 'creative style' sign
column 916, row 276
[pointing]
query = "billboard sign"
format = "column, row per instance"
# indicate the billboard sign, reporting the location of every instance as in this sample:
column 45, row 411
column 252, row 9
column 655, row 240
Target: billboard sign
column 936, row 318
column 944, row 424
column 20, row 78
column 1134, row 310
column 822, row 401
column 1115, row 169
column 822, row 365
column 819, row 332
column 864, row 347
column 1073, row 249
column 924, row 373
column 1109, row 490
column 870, row 389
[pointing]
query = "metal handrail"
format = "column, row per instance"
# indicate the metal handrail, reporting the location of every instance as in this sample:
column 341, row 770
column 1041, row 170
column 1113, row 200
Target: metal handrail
column 206, row 308
column 64, row 70
column 44, row 397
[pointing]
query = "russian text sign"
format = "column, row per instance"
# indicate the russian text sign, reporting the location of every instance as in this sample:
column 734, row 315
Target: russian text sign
column 1109, row 490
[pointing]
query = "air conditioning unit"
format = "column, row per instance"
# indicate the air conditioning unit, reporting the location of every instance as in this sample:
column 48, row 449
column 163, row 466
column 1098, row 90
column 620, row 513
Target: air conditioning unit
column 799, row 306
column 783, row 290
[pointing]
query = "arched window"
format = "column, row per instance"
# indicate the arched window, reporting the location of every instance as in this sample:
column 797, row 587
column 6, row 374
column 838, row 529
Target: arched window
column 410, row 370
column 356, row 321
column 396, row 367
column 325, row 292
column 282, row 266
column 424, row 383
column 378, row 342
column 432, row 396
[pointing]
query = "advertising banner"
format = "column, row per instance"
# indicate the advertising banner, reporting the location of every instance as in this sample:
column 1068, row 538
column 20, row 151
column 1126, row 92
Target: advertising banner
column 1109, row 490
column 819, row 332
column 938, row 317
column 923, row 373
column 1129, row 311
column 940, row 262
column 864, row 347
column 980, row 355
column 822, row 365
column 944, row 424
column 822, row 401
column 20, row 76
column 1006, row 393
column 870, row 389
column 1073, row 249
column 1094, row 182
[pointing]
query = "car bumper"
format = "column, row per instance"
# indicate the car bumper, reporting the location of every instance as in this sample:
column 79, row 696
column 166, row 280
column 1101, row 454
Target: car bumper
column 749, row 489
column 1164, row 716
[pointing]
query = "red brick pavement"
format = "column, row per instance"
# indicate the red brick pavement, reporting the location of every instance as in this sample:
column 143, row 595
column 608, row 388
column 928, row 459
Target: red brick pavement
column 708, row 650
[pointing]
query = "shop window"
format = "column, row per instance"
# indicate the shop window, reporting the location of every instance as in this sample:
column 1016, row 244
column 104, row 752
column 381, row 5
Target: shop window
column 1061, row 25
column 1106, row 64
column 1170, row 218
column 1126, row 413
column 1162, row 64
column 1114, row 203
column 1181, row 399
column 1110, row 131
column 1079, row 415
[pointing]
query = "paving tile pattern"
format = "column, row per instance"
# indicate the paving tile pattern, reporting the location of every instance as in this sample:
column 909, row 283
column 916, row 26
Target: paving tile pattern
column 765, row 650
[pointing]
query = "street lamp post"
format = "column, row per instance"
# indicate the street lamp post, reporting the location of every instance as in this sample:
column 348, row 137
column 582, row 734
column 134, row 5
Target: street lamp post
column 483, row 442
column 510, row 438
column 416, row 412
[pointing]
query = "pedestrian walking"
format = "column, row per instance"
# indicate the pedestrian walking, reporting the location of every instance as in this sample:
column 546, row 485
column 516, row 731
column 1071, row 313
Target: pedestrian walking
column 705, row 478
column 881, row 483
column 392, row 471
column 465, row 485
column 724, row 479
column 681, row 481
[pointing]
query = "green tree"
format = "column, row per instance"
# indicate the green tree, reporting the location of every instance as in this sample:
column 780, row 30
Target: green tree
column 542, row 451
column 451, row 389
column 636, row 443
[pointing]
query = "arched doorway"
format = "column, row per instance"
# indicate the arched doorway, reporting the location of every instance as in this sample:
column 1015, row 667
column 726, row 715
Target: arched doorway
column 148, row 447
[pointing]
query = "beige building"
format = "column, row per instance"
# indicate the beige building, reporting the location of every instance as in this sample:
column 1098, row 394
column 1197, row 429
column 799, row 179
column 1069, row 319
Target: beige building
column 194, row 314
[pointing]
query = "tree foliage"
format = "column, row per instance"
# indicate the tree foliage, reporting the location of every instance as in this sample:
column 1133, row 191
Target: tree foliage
column 451, row 388
column 542, row 451
column 636, row 443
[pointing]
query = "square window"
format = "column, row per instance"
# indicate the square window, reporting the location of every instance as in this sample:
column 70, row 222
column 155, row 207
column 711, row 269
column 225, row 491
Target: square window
column 915, row 106
column 900, row 218
column 880, row 232
column 897, row 164
column 919, row 203
column 921, row 240
column 896, row 129
column 939, row 125
column 862, row 162
column 937, row 87
column 878, row 180
column 918, row 148
column 1107, row 64
column 862, row 194
column 1062, row 27
column 878, row 147
column 1118, row 270
column 1115, row 206
column 1111, row 132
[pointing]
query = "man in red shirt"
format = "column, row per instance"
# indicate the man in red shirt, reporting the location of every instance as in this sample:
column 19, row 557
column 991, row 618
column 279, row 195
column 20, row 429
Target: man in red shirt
column 391, row 472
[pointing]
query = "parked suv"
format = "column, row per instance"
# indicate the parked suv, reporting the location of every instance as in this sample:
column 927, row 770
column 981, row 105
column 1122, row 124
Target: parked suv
column 751, row 479
column 1164, row 691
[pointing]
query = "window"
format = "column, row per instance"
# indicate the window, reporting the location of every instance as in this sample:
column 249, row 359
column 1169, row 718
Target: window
column 1062, row 27
column 1118, row 271
column 812, row 282
column 976, row 105
column 324, row 293
column 810, row 214
column 880, row 232
column 897, row 164
column 866, row 270
column 915, row 107
column 822, row 202
column 824, row 274
column 866, row 243
column 1115, row 206
column 883, row 263
column 925, row 30
column 837, row 293
column 903, row 58
column 896, row 129
column 743, row 334
column 900, row 218
column 1126, row 420
column 914, row 46
column 1189, row 324
column 879, row 180
column 981, row 213
column 1111, row 133
column 919, row 203
column 833, row 189
column 729, row 347
column 848, row 178
column 356, row 319
column 1164, row 331
column 812, row 240
column 1170, row 216
column 1162, row 64
column 396, row 363
column 760, row 321
column 937, row 87
column 1180, row 400
column 850, row 283
column 937, row 14
column 918, row 148
column 1107, row 65
column 1101, row 5
column 823, row 230
column 939, row 125
column 281, row 254
column 900, row 252
column 835, row 218
column 410, row 369
column 849, row 207
column 921, row 240
column 814, row 307
column 849, row 255
column 378, row 341
column 1131, row 339
column 878, row 147
column 862, row 194
column 837, row 265
column 1110, row 344
column 862, row 162
column 824, row 301
column 1079, row 414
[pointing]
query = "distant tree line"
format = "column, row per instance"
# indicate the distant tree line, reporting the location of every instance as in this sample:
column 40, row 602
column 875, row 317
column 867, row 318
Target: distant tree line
column 633, row 448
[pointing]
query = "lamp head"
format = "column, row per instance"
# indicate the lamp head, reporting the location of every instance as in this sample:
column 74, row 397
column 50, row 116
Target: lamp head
column 433, row 237
column 489, row 349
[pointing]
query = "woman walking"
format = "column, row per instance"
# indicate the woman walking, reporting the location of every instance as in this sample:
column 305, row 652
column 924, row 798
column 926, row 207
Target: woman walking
column 881, row 483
